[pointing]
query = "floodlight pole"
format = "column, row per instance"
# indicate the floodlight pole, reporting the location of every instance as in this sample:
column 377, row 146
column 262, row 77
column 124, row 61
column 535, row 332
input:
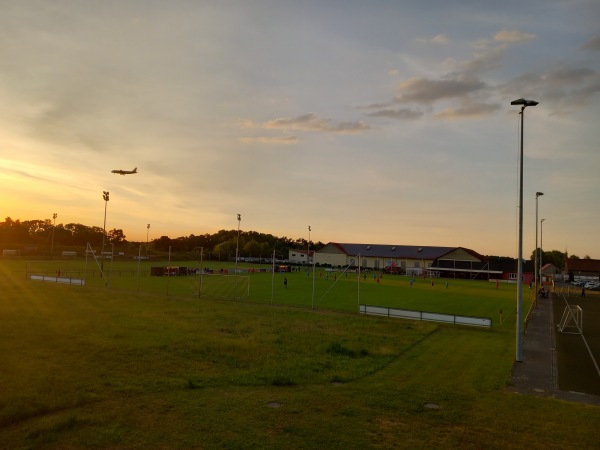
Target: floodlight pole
column 237, row 252
column 308, row 251
column 52, row 243
column 105, row 195
column 147, row 233
column 541, row 251
column 536, row 259
column 519, row 326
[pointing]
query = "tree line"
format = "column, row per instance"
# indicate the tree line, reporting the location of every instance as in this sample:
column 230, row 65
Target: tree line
column 44, row 235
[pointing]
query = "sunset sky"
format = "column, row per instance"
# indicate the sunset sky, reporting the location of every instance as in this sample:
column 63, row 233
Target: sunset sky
column 384, row 122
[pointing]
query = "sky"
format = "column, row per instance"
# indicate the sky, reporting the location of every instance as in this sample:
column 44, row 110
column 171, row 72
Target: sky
column 382, row 122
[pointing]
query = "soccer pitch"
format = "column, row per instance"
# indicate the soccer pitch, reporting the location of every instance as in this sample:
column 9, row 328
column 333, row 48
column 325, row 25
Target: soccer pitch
column 318, row 289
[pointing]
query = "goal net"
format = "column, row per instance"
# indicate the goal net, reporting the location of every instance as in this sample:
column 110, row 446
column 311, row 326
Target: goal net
column 572, row 320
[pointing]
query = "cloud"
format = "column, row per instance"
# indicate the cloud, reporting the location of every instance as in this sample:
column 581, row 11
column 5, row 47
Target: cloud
column 402, row 114
column 561, row 87
column 468, row 110
column 513, row 36
column 466, row 91
column 490, row 54
column 421, row 90
column 377, row 105
column 483, row 61
column 311, row 122
column 270, row 140
column 592, row 45
column 440, row 39
column 461, row 92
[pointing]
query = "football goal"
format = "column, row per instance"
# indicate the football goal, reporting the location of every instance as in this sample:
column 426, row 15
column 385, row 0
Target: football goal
column 572, row 320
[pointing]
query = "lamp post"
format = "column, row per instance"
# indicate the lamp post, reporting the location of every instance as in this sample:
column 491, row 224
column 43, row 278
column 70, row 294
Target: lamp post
column 147, row 233
column 237, row 252
column 308, row 251
column 105, row 195
column 237, row 245
column 537, row 259
column 54, row 216
column 541, row 249
column 519, row 326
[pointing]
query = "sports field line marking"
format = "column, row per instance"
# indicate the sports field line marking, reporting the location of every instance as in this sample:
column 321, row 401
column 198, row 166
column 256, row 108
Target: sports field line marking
column 585, row 342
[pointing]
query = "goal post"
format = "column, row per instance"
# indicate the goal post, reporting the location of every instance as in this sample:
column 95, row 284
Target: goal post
column 572, row 320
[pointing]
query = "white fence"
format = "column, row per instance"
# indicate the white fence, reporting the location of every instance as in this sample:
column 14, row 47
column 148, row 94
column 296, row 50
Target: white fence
column 63, row 280
column 423, row 315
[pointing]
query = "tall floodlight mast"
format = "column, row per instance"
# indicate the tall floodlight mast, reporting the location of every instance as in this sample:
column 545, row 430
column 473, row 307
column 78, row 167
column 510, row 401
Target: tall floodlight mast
column 519, row 327
column 54, row 216
column 105, row 195
column 536, row 253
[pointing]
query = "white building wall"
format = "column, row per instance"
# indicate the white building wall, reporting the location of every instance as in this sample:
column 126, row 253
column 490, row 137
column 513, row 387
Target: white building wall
column 297, row 256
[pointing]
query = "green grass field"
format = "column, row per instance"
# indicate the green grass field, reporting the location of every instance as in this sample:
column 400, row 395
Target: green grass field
column 133, row 367
column 337, row 291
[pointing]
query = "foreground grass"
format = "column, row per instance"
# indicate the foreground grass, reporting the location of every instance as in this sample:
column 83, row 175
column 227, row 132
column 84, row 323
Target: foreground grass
column 103, row 368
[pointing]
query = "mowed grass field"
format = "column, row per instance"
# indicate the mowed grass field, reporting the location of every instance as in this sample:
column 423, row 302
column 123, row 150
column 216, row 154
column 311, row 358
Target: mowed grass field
column 325, row 290
column 92, row 367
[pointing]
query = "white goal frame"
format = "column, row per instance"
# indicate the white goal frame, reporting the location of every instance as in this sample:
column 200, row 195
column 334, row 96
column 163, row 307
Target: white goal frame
column 572, row 320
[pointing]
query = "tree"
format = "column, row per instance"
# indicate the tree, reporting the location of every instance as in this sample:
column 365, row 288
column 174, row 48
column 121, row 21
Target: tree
column 81, row 234
column 116, row 236
column 14, row 232
column 266, row 250
column 252, row 248
column 162, row 244
column 38, row 230
column 555, row 257
column 225, row 250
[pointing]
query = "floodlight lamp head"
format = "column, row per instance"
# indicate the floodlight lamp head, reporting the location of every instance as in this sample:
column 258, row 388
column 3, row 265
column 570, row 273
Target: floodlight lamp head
column 537, row 194
column 523, row 102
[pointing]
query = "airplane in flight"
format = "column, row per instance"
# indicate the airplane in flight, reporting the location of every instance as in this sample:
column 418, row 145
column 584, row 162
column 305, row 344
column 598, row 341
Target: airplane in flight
column 124, row 172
